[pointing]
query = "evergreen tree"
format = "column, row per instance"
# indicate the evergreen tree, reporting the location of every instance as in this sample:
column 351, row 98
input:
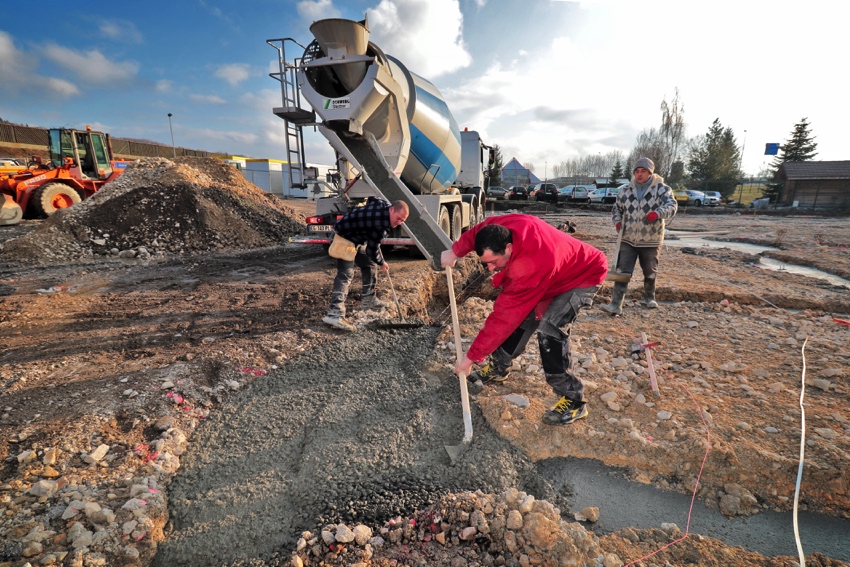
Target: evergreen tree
column 714, row 160
column 800, row 147
column 616, row 173
column 494, row 173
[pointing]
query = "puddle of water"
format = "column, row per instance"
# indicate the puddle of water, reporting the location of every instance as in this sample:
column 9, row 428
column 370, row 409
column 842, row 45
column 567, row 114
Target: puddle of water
column 698, row 240
column 624, row 504
column 779, row 266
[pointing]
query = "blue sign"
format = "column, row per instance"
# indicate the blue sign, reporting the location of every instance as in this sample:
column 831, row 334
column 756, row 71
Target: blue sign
column 771, row 149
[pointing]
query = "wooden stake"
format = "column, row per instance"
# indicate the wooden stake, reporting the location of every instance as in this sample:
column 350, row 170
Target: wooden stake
column 648, row 350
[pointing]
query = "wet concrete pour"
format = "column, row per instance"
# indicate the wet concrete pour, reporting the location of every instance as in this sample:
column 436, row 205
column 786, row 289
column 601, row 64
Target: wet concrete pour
column 625, row 504
column 353, row 431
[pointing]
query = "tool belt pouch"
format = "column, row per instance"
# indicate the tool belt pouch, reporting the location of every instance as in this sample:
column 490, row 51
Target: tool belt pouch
column 342, row 248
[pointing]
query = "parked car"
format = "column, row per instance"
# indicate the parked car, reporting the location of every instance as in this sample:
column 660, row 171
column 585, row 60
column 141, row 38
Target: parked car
column 605, row 195
column 517, row 193
column 694, row 197
column 712, row 198
column 11, row 165
column 575, row 193
column 496, row 193
column 544, row 192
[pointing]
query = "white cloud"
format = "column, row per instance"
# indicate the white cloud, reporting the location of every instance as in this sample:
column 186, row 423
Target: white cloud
column 92, row 66
column 122, row 30
column 21, row 65
column 317, row 9
column 164, row 86
column 207, row 99
column 234, row 73
column 425, row 35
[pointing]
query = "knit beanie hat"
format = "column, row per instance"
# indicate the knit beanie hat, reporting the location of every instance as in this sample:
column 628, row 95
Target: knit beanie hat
column 645, row 163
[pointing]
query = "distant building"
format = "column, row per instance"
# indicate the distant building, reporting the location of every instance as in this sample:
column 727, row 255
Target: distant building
column 513, row 173
column 272, row 175
column 815, row 184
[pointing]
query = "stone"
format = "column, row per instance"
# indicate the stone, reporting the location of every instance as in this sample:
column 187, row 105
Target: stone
column 96, row 455
column 514, row 520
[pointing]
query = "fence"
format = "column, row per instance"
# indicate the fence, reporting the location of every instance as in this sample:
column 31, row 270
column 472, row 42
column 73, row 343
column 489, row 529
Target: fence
column 13, row 134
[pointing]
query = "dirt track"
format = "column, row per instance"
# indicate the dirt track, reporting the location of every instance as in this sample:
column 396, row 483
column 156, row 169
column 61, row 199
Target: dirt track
column 155, row 358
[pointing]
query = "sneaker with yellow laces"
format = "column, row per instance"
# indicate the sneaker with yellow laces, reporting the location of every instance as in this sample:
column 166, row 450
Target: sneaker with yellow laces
column 565, row 411
column 489, row 374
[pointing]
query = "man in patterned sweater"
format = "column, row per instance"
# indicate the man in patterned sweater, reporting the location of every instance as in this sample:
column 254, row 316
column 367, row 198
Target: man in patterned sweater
column 366, row 226
column 640, row 212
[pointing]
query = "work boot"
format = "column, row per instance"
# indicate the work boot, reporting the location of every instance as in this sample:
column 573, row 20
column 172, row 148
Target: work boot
column 372, row 303
column 339, row 323
column 489, row 373
column 565, row 411
column 649, row 293
column 617, row 297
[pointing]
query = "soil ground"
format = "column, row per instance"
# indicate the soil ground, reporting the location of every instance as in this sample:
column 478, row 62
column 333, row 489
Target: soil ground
column 146, row 353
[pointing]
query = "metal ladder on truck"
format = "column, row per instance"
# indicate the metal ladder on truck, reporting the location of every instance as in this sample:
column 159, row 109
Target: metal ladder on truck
column 292, row 113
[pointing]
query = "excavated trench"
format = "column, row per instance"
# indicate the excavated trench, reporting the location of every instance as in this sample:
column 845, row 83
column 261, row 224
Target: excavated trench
column 355, row 430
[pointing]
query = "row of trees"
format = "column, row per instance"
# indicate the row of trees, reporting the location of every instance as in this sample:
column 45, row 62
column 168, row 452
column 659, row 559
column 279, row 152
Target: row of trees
column 709, row 161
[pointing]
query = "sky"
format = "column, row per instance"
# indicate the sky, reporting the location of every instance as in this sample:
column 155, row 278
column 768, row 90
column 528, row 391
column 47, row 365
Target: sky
column 546, row 80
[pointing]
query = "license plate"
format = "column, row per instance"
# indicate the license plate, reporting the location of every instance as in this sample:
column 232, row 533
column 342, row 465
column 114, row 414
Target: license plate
column 320, row 228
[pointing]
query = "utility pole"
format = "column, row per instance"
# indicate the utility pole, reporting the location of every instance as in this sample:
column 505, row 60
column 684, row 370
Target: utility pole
column 173, row 149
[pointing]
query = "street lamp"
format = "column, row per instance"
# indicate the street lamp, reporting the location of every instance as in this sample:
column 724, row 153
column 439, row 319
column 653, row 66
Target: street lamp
column 173, row 149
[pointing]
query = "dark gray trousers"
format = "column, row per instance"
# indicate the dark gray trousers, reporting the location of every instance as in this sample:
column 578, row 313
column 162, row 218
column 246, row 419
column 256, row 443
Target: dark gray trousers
column 553, row 338
column 344, row 275
column 630, row 255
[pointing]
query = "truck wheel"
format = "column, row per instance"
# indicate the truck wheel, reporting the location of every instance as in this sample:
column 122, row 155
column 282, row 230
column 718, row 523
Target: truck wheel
column 457, row 223
column 51, row 197
column 445, row 221
column 479, row 213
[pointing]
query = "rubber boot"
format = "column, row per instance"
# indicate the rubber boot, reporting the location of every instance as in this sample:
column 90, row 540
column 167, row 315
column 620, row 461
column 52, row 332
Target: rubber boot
column 617, row 297
column 649, row 293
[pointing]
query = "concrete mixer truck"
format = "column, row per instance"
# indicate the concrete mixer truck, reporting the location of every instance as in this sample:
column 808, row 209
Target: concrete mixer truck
column 392, row 132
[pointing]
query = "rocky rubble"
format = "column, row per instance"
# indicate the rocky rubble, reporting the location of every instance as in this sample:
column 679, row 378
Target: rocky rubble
column 466, row 529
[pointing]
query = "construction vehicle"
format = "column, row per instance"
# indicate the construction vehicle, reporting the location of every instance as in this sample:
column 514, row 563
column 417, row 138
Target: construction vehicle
column 80, row 164
column 392, row 132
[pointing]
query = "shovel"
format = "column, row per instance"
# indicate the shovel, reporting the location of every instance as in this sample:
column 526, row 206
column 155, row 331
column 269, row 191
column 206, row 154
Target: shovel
column 455, row 451
column 613, row 275
column 398, row 323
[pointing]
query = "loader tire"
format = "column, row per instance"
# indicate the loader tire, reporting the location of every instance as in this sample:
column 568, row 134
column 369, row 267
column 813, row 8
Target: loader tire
column 444, row 221
column 51, row 197
column 457, row 223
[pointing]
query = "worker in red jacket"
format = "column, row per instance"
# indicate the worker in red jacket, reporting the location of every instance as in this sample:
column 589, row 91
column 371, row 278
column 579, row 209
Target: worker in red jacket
column 546, row 277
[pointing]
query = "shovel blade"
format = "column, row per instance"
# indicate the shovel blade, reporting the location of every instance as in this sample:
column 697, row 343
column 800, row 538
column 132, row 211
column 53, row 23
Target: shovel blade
column 456, row 452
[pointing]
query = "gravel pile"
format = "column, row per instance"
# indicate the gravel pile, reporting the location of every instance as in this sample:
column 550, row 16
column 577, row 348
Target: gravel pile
column 158, row 207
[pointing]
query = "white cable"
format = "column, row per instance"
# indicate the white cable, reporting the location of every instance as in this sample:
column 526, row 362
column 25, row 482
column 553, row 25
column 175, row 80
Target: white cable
column 800, row 466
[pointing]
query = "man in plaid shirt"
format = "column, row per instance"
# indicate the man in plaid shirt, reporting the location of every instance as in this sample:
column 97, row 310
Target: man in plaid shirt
column 366, row 226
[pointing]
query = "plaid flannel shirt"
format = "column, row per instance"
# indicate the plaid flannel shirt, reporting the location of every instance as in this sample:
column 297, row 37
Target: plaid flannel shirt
column 368, row 224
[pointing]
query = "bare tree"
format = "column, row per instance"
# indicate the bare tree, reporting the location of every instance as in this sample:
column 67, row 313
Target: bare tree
column 664, row 145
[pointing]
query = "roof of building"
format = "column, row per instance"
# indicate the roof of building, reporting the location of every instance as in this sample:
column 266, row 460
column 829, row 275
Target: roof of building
column 515, row 167
column 815, row 170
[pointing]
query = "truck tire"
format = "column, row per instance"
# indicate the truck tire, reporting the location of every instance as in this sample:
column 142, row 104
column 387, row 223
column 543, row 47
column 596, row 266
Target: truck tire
column 457, row 223
column 444, row 221
column 479, row 213
column 51, row 197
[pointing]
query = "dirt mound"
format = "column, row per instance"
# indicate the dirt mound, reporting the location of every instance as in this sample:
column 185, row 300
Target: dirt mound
column 161, row 206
